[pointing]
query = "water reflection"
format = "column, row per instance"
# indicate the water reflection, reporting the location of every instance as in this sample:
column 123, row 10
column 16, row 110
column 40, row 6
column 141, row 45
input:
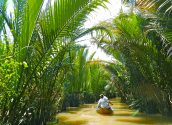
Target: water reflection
column 86, row 115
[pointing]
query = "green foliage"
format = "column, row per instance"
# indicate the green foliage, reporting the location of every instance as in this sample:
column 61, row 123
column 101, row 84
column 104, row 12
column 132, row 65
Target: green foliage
column 37, row 62
column 85, row 77
column 8, row 82
column 144, row 62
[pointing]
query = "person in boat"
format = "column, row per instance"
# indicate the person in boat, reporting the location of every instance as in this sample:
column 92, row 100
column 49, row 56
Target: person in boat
column 104, row 102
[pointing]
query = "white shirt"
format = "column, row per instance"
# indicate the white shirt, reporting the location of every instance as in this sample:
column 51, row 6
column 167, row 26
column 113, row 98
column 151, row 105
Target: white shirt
column 103, row 102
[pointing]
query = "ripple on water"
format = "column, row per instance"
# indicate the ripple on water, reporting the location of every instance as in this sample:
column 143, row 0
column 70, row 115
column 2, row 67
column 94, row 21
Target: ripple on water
column 86, row 115
column 73, row 122
column 135, row 120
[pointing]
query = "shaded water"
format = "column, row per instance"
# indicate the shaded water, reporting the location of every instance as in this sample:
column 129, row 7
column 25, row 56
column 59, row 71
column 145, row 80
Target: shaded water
column 87, row 115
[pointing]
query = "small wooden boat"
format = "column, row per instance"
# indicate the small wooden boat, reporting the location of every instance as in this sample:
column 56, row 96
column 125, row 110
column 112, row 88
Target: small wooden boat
column 104, row 111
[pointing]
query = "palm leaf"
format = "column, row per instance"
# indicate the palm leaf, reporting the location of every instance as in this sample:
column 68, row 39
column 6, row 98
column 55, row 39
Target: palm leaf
column 30, row 16
column 3, row 6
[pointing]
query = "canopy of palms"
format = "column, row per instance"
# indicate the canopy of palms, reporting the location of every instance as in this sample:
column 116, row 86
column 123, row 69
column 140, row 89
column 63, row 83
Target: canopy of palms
column 42, row 68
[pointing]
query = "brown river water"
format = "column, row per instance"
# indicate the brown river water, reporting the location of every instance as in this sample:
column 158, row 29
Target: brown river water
column 86, row 115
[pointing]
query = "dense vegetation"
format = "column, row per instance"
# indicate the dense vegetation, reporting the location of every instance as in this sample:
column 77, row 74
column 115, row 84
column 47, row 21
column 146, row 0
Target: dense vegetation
column 143, row 46
column 39, row 61
column 43, row 70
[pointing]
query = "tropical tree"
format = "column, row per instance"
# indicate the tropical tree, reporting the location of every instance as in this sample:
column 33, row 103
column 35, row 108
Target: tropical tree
column 37, row 54
column 85, row 78
column 144, row 63
column 158, row 14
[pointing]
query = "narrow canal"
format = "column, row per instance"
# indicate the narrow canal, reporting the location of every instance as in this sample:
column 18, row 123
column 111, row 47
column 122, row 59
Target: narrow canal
column 87, row 115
